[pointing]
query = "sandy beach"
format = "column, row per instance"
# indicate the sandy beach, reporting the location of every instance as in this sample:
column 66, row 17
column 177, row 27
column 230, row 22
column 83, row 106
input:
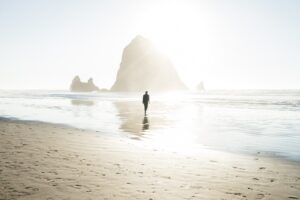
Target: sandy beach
column 48, row 161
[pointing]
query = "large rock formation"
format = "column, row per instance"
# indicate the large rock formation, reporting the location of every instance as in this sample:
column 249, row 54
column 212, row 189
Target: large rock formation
column 78, row 86
column 144, row 68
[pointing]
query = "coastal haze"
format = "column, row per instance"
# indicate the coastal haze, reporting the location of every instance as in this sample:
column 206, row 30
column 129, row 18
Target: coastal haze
column 227, row 44
column 223, row 120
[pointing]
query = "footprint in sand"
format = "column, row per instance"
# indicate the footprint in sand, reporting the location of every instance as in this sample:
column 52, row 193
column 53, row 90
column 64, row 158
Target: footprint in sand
column 260, row 196
column 235, row 193
column 32, row 188
column 166, row 177
column 77, row 186
column 234, row 167
column 261, row 168
column 195, row 187
column 292, row 197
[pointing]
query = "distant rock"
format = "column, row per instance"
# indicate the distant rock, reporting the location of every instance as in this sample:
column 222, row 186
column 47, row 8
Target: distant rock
column 104, row 90
column 78, row 86
column 79, row 102
column 144, row 68
column 200, row 86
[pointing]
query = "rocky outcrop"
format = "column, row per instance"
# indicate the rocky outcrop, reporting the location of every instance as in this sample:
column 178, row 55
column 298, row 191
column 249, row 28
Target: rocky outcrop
column 144, row 68
column 200, row 86
column 78, row 86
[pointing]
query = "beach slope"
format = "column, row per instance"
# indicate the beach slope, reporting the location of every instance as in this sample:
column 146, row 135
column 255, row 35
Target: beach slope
column 47, row 161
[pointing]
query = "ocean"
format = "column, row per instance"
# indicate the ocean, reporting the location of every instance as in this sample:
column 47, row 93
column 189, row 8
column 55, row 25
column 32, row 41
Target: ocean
column 265, row 122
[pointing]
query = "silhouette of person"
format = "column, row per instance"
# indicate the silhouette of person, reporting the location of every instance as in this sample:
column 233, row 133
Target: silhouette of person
column 146, row 99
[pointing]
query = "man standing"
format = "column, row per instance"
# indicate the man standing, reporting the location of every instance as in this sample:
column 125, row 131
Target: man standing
column 146, row 100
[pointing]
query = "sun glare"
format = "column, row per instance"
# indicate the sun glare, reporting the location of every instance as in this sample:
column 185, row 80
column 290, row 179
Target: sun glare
column 168, row 23
column 171, row 97
column 178, row 30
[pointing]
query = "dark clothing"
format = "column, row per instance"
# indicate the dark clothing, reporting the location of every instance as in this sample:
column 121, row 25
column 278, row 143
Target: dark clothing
column 146, row 100
column 145, row 106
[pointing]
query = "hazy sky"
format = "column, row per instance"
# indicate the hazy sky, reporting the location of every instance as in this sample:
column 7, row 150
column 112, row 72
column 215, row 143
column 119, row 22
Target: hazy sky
column 228, row 44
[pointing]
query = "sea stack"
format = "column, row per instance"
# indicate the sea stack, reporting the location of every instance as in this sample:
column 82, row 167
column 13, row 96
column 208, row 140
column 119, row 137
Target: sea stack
column 144, row 68
column 78, row 86
column 200, row 87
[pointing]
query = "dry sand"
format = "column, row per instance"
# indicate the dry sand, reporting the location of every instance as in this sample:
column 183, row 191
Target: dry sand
column 46, row 161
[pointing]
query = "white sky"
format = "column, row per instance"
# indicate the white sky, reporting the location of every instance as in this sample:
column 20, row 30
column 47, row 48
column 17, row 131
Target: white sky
column 228, row 44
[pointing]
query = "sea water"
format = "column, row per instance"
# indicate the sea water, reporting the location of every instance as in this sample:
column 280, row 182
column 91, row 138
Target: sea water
column 245, row 121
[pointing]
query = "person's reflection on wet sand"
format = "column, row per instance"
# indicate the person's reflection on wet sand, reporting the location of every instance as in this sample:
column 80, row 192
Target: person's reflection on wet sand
column 145, row 123
column 130, row 118
column 134, row 122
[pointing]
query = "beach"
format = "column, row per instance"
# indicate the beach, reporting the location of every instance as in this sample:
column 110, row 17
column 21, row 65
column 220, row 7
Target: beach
column 149, row 100
column 51, row 161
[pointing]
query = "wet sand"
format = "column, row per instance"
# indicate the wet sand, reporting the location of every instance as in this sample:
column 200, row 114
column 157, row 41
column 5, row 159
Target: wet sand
column 47, row 161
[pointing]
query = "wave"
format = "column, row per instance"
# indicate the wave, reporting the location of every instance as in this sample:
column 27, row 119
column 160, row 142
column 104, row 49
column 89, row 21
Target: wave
column 289, row 99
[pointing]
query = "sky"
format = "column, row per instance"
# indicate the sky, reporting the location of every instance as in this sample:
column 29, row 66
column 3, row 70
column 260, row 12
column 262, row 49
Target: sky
column 227, row 44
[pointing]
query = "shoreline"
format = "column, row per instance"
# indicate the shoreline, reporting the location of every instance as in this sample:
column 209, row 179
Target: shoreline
column 39, row 160
column 129, row 138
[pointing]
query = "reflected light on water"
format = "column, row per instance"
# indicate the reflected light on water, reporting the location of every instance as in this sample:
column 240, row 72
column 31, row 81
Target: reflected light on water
column 171, row 123
column 179, row 134
column 171, row 97
column 236, row 121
